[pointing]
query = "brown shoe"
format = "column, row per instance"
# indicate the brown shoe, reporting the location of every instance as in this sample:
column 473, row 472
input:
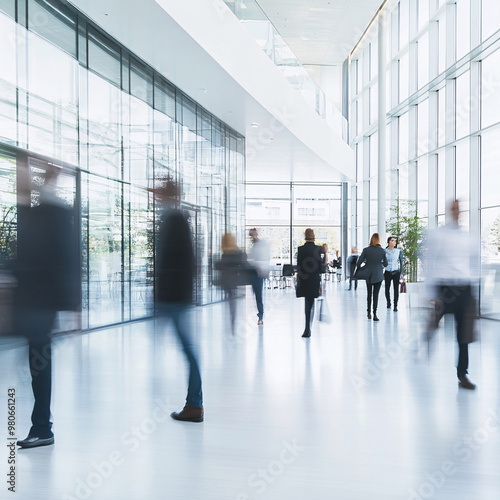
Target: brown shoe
column 466, row 383
column 189, row 414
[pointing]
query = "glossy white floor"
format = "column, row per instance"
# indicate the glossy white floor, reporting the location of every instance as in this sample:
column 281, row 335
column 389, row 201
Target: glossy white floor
column 352, row 413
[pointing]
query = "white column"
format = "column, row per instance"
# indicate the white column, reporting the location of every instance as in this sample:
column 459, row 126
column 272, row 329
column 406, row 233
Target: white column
column 382, row 125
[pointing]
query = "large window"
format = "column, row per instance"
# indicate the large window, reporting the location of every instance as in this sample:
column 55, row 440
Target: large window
column 282, row 212
column 73, row 94
column 443, row 87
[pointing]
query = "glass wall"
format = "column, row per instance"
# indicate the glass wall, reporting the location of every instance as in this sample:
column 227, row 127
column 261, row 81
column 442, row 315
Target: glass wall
column 442, row 119
column 72, row 94
column 282, row 212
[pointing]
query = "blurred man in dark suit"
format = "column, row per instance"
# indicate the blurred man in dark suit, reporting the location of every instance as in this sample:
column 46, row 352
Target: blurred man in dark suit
column 174, row 288
column 47, row 282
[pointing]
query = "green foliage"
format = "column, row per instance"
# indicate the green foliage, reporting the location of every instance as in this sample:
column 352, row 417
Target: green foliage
column 8, row 234
column 408, row 227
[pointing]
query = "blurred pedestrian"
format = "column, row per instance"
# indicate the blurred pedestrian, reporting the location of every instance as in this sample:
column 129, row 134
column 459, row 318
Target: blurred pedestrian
column 174, row 289
column 234, row 272
column 351, row 266
column 309, row 266
column 375, row 259
column 452, row 269
column 47, row 282
column 393, row 271
column 259, row 257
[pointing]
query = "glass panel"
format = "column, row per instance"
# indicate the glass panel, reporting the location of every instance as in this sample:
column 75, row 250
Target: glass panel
column 53, row 22
column 140, row 135
column 8, row 79
column 423, row 60
column 423, row 127
column 186, row 116
column 490, row 265
column 105, row 255
column 442, row 44
column 403, row 138
column 404, row 23
column 462, row 174
column 373, row 103
column 463, row 27
column 53, row 101
column 104, row 127
column 490, row 17
column 104, row 57
column 374, row 201
column 404, row 70
column 490, row 173
column 490, row 97
column 423, row 188
column 441, row 184
column 164, row 97
column 164, row 146
column 423, row 13
column 463, row 105
column 141, row 82
column 329, row 235
column 441, row 117
column 316, row 205
column 8, row 210
column 141, row 253
column 9, row 7
column 359, row 162
column 374, row 154
column 403, row 183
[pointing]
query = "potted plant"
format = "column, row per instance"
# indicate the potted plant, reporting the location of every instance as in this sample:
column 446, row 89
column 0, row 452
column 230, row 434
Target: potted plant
column 408, row 228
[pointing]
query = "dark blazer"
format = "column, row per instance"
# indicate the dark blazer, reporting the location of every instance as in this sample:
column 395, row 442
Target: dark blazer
column 235, row 270
column 309, row 264
column 375, row 259
column 174, row 259
column 48, row 267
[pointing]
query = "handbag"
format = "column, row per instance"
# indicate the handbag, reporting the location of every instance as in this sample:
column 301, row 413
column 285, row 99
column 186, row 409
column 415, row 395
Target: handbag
column 402, row 285
column 361, row 273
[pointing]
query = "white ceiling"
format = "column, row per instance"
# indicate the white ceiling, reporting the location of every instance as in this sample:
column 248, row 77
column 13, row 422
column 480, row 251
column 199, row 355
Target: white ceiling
column 145, row 28
column 320, row 32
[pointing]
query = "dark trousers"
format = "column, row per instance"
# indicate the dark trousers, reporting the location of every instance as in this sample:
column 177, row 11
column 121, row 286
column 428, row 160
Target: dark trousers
column 309, row 310
column 179, row 314
column 232, row 297
column 355, row 283
column 393, row 277
column 456, row 300
column 258, row 285
column 375, row 289
column 37, row 327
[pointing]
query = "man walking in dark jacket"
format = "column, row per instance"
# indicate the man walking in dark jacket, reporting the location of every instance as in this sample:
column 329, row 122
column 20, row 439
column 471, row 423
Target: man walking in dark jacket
column 47, row 282
column 174, row 289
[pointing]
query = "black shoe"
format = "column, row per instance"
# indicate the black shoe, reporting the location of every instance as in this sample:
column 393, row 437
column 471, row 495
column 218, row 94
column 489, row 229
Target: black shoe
column 388, row 305
column 375, row 318
column 306, row 334
column 369, row 316
column 34, row 441
column 395, row 309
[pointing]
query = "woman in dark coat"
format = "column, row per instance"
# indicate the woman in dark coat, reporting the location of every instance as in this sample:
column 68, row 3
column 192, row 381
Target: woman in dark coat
column 309, row 266
column 375, row 260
